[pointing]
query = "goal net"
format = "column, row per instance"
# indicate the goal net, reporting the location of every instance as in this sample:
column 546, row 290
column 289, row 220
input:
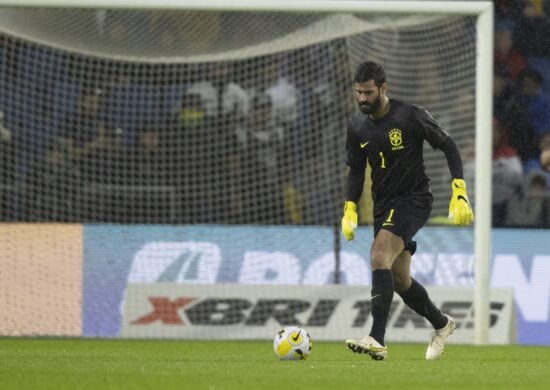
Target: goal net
column 209, row 117
column 204, row 129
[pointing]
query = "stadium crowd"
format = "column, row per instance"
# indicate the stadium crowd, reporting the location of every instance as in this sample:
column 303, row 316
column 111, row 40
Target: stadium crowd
column 521, row 113
column 245, row 140
column 216, row 146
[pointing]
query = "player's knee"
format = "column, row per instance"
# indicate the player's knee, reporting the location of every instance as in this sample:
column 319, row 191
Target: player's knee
column 381, row 259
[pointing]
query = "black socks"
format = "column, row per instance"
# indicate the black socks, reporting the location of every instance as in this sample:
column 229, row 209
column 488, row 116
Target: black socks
column 381, row 298
column 416, row 297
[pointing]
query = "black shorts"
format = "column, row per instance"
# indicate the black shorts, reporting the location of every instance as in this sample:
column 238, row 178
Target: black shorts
column 404, row 218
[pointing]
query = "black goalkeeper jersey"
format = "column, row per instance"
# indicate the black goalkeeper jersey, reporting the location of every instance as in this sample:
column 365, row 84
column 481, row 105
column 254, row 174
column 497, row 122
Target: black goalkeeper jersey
column 393, row 147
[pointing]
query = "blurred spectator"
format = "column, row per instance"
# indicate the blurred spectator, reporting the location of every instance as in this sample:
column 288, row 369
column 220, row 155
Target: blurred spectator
column 268, row 79
column 150, row 197
column 147, row 160
column 532, row 35
column 509, row 109
column 504, row 99
column 535, row 8
column 192, row 114
column 530, row 207
column 84, row 129
column 284, row 143
column 103, row 169
column 201, row 147
column 263, row 136
column 533, row 30
column 106, row 163
column 537, row 105
column 507, row 174
column 508, row 9
column 54, row 183
column 223, row 98
column 507, row 56
column 263, row 139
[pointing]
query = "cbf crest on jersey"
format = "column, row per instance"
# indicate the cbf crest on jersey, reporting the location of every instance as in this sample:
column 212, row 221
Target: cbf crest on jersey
column 396, row 140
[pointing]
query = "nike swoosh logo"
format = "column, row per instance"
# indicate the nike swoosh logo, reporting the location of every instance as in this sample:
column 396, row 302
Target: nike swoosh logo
column 463, row 198
column 297, row 336
column 363, row 145
column 375, row 296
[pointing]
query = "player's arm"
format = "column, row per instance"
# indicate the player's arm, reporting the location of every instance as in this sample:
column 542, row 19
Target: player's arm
column 460, row 210
column 354, row 187
column 355, row 180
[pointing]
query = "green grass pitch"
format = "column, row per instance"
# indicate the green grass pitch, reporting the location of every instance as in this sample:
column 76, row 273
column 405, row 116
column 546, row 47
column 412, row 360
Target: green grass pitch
column 131, row 364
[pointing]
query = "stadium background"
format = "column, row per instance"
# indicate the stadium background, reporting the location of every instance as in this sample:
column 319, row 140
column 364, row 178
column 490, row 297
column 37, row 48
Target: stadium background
column 69, row 279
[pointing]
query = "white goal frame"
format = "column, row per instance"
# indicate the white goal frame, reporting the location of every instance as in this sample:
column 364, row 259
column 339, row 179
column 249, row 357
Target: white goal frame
column 482, row 10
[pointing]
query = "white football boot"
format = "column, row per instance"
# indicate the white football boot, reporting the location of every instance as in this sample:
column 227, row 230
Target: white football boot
column 438, row 337
column 369, row 346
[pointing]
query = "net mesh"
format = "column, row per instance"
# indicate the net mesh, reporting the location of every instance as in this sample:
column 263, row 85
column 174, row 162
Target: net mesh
column 215, row 118
column 208, row 117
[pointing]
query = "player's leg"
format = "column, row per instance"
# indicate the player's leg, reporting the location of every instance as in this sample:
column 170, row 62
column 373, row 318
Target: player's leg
column 413, row 293
column 385, row 248
column 416, row 297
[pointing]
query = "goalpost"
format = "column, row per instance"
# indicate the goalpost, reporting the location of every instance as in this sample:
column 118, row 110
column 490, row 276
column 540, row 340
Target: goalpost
column 481, row 11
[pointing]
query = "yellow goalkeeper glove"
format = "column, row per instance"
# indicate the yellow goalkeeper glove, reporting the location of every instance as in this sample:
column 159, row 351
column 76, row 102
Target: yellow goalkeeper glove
column 460, row 211
column 349, row 220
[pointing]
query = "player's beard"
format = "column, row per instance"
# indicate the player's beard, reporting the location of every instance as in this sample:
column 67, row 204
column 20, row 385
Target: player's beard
column 368, row 109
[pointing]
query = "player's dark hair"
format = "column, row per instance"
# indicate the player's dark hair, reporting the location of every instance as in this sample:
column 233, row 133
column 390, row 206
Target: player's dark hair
column 369, row 70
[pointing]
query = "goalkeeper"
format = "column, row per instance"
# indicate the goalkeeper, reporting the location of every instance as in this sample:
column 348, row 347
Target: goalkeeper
column 389, row 134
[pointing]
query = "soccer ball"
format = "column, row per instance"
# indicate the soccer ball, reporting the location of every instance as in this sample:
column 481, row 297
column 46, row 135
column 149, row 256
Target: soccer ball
column 292, row 343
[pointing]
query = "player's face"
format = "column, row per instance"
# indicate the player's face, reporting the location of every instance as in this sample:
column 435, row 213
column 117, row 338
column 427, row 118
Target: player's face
column 368, row 97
